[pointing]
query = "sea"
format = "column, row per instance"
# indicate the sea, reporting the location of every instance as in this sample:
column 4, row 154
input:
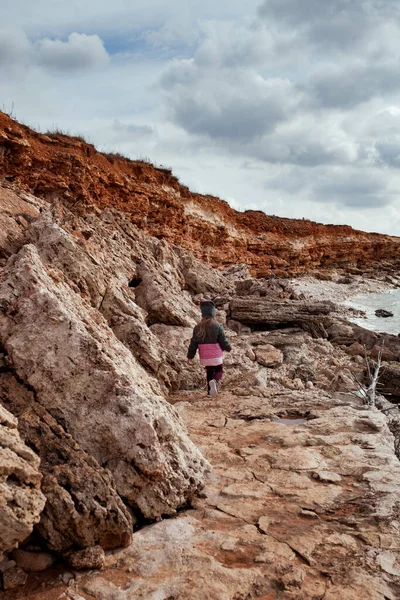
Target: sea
column 369, row 303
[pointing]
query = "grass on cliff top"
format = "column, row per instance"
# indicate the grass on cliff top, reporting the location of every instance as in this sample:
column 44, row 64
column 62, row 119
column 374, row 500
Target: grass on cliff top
column 113, row 156
column 58, row 132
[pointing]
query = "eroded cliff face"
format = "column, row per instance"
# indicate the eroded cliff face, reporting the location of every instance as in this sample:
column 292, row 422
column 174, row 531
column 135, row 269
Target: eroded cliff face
column 61, row 167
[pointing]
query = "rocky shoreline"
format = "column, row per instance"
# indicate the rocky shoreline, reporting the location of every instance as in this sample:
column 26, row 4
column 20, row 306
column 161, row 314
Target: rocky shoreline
column 339, row 287
column 353, row 296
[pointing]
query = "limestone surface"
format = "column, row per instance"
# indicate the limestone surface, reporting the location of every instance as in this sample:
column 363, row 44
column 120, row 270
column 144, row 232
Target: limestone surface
column 82, row 507
column 21, row 500
column 301, row 504
column 92, row 384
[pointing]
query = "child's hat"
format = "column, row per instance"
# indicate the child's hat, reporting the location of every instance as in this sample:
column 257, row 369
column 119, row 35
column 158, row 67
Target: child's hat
column 208, row 309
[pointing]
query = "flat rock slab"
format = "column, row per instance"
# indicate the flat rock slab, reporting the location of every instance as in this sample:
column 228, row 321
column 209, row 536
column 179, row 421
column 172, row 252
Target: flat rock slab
column 289, row 511
column 261, row 311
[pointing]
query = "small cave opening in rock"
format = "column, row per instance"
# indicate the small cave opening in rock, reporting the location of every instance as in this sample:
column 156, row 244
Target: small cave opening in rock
column 271, row 327
column 135, row 282
column 141, row 521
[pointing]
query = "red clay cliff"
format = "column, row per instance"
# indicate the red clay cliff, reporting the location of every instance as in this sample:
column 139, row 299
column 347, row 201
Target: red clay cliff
column 65, row 168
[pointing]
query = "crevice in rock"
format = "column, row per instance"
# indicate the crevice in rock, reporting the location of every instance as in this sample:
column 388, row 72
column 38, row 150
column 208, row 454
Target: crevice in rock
column 102, row 300
column 250, row 418
column 135, row 282
column 299, row 555
column 225, row 512
column 257, row 478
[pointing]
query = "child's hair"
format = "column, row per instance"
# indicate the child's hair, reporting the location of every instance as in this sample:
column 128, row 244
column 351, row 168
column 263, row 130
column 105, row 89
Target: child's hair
column 204, row 327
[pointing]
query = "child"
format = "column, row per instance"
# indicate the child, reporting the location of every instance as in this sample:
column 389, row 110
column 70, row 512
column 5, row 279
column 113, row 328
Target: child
column 210, row 339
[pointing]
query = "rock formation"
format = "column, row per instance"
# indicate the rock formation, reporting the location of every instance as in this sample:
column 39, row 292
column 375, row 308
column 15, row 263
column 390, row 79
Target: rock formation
column 77, row 351
column 85, row 377
column 262, row 312
column 82, row 505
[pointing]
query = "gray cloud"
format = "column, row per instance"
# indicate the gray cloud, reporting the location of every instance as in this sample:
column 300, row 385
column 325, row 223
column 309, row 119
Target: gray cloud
column 231, row 45
column 354, row 189
column 308, row 141
column 304, row 91
column 334, row 25
column 234, row 104
column 228, row 91
column 389, row 153
column 344, row 187
column 14, row 46
column 346, row 86
column 79, row 52
column 131, row 129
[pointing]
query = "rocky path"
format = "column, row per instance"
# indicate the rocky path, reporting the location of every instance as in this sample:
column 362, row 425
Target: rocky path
column 301, row 503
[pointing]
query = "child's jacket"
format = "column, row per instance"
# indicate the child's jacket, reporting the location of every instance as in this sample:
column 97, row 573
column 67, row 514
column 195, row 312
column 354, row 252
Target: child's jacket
column 210, row 347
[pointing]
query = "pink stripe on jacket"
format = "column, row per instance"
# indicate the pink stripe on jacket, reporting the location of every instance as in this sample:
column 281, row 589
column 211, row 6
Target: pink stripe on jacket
column 210, row 355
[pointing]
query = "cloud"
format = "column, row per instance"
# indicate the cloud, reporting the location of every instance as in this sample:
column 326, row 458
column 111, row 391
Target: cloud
column 131, row 129
column 337, row 25
column 354, row 189
column 228, row 91
column 249, row 44
column 234, row 104
column 305, row 140
column 292, row 109
column 14, row 46
column 342, row 187
column 389, row 153
column 79, row 52
column 348, row 85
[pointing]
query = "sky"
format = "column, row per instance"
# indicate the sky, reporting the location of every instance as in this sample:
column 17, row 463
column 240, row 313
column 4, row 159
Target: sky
column 287, row 106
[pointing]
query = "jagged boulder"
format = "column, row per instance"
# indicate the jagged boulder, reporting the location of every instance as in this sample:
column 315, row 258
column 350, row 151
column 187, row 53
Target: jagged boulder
column 199, row 277
column 273, row 289
column 389, row 379
column 175, row 371
column 21, row 500
column 132, row 279
column 82, row 505
column 95, row 388
column 128, row 322
column 60, row 249
column 383, row 313
column 16, row 212
column 162, row 297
